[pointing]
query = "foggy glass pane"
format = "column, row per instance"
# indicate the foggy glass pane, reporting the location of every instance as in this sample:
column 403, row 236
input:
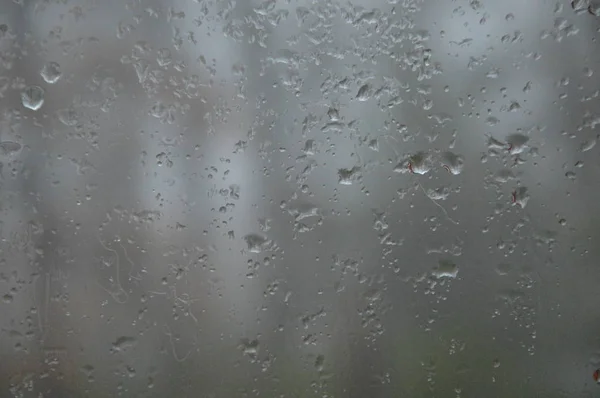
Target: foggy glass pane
column 299, row 198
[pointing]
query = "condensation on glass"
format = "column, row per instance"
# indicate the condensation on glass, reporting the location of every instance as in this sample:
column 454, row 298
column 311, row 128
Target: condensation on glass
column 299, row 198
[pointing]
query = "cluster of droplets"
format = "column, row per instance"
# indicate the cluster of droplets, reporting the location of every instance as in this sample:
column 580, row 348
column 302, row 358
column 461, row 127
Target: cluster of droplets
column 33, row 97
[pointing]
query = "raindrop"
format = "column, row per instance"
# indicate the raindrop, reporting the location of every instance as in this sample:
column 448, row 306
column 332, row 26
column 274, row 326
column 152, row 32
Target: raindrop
column 453, row 163
column 364, row 93
column 348, row 176
column 257, row 243
column 503, row 269
column 67, row 116
column 250, row 348
column 579, row 6
column 51, row 72
column 588, row 145
column 420, row 163
column 445, row 269
column 33, row 97
column 319, row 363
column 520, row 197
column 9, row 148
column 517, row 143
column 492, row 121
column 123, row 343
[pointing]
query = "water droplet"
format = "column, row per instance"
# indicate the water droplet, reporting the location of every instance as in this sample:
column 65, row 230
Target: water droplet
column 51, row 72
column 319, row 362
column 364, row 93
column 33, row 97
column 9, row 148
column 123, row 343
column 374, row 145
column 301, row 211
column 520, row 197
column 420, row 163
column 579, row 6
column 503, row 269
column 348, row 176
column 588, row 145
column 517, row 143
column 67, row 116
column 258, row 243
column 453, row 163
column 492, row 121
column 445, row 269
column 594, row 8
column 250, row 348
column 309, row 147
column 438, row 194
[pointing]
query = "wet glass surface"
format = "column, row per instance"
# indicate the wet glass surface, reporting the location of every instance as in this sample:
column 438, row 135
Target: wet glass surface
column 299, row 198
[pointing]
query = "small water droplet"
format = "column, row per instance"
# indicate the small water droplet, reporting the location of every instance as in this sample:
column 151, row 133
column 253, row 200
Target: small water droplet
column 33, row 97
column 51, row 72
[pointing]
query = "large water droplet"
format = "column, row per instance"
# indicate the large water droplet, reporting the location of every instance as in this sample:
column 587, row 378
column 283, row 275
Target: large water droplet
column 420, row 163
column 445, row 269
column 51, row 72
column 364, row 93
column 517, row 143
column 348, row 176
column 123, row 343
column 9, row 147
column 452, row 162
column 32, row 97
column 520, row 197
column 258, row 243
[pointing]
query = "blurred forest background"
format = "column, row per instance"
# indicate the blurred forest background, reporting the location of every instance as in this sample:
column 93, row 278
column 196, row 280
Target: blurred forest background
column 296, row 198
